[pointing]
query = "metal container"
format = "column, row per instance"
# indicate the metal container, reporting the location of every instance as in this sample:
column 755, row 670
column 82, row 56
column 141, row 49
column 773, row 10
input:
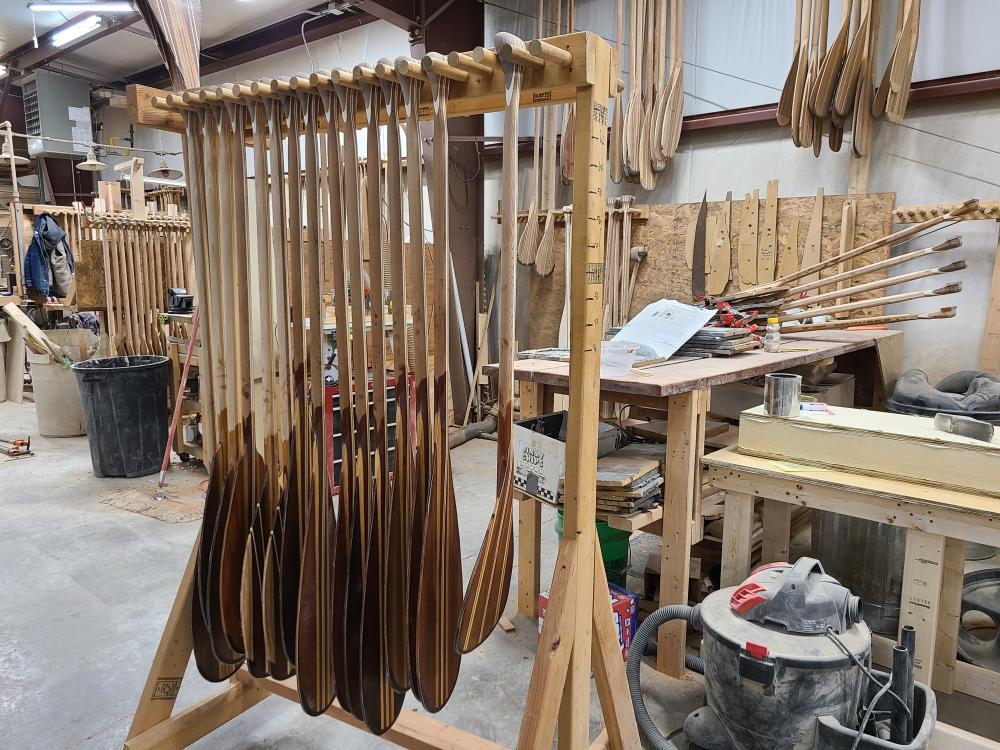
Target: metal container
column 781, row 394
column 867, row 557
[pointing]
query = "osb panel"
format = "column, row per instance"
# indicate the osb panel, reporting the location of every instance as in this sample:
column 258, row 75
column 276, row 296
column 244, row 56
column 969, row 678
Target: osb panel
column 664, row 272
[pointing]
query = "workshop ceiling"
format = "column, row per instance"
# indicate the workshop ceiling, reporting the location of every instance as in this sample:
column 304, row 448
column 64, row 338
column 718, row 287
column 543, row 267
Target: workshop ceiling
column 126, row 52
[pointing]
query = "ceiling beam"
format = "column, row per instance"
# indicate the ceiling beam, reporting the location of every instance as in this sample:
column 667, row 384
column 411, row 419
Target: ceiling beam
column 27, row 57
column 269, row 40
column 402, row 13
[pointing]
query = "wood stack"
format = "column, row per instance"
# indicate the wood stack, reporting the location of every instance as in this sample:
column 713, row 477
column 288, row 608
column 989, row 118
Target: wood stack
column 719, row 342
column 631, row 478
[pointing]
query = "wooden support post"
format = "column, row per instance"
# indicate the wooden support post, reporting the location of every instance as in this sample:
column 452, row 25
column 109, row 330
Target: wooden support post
column 989, row 351
column 529, row 519
column 737, row 526
column 682, row 463
column 950, row 615
column 920, row 604
column 777, row 522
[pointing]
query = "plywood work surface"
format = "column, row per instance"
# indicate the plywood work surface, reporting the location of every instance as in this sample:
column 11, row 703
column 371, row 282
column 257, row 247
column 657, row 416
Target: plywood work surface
column 670, row 378
column 986, row 508
column 665, row 273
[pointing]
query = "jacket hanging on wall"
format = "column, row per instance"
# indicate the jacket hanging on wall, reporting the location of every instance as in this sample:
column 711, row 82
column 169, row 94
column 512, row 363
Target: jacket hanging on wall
column 49, row 262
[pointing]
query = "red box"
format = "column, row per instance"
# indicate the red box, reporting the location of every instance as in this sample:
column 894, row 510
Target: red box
column 624, row 607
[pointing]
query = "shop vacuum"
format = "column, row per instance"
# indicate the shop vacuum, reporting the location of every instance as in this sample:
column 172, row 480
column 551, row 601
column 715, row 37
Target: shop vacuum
column 786, row 658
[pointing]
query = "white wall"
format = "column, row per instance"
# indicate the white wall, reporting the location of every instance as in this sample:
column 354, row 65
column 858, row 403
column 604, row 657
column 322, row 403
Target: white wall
column 943, row 152
column 367, row 43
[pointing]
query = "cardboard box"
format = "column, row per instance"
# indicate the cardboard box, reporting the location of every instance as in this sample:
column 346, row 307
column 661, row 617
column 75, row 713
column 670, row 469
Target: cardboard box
column 540, row 453
column 624, row 608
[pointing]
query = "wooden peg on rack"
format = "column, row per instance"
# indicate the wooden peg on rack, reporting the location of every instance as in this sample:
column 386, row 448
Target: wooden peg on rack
column 485, row 56
column 550, row 53
column 521, row 57
column 465, row 62
column 410, row 68
column 437, row 64
column 364, row 74
column 385, row 70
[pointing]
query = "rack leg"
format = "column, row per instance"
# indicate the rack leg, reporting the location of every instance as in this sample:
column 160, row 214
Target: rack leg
column 683, row 461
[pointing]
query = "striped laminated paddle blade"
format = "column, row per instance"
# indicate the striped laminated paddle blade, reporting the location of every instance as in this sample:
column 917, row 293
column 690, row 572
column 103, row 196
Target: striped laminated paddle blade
column 486, row 594
column 314, row 627
column 397, row 573
column 439, row 585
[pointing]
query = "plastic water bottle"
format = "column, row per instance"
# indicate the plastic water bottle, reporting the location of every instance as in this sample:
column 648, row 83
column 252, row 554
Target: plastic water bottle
column 772, row 337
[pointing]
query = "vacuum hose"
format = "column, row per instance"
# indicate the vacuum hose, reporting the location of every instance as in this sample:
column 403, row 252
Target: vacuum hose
column 642, row 637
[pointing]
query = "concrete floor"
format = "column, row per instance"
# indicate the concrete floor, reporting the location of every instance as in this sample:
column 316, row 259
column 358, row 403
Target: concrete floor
column 86, row 589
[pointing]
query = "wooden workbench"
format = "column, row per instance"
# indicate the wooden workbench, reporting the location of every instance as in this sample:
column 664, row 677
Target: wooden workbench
column 938, row 521
column 682, row 388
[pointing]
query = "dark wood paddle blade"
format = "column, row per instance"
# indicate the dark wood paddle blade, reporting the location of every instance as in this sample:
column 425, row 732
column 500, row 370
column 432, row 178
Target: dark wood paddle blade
column 234, row 541
column 341, row 562
column 421, row 490
column 397, row 575
column 251, row 612
column 354, row 598
column 439, row 600
column 209, row 666
column 211, row 577
column 289, row 562
column 278, row 666
column 489, row 585
column 314, row 659
column 381, row 702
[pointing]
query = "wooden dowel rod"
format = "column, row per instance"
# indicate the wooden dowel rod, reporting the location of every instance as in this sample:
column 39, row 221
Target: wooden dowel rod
column 880, row 284
column 336, row 77
column 301, row 82
column 877, row 302
column 282, row 85
column 410, row 68
column 202, row 96
column 521, row 57
column 944, row 312
column 887, row 263
column 485, row 56
column 385, row 70
column 466, row 62
column 263, row 89
column 365, row 74
column 170, row 101
column 438, row 65
column 550, row 53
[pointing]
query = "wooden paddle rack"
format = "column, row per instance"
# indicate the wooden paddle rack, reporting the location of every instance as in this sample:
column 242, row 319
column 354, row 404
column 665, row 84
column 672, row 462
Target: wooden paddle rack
column 579, row 634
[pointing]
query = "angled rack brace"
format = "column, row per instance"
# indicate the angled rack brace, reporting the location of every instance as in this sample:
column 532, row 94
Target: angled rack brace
column 579, row 634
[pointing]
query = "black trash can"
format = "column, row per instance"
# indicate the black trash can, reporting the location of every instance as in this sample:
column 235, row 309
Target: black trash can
column 125, row 404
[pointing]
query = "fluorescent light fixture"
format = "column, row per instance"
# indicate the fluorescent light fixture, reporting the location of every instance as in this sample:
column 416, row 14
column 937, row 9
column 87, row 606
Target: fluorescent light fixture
column 78, row 29
column 97, row 7
column 3, row 70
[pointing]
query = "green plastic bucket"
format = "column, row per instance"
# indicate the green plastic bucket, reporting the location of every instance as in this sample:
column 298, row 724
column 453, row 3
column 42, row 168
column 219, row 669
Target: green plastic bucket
column 614, row 549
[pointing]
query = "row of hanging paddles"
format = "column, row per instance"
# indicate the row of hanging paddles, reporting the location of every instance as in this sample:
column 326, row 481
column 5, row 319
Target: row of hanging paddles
column 550, row 77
